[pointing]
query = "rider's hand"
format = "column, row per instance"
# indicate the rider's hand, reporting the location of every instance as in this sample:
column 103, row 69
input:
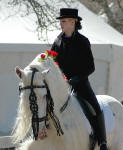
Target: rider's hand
column 74, row 81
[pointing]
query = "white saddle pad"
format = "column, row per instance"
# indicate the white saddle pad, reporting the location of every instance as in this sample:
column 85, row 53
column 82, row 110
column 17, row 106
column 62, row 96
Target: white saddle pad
column 108, row 115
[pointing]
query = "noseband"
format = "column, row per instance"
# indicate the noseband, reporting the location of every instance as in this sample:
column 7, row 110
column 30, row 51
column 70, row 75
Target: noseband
column 34, row 107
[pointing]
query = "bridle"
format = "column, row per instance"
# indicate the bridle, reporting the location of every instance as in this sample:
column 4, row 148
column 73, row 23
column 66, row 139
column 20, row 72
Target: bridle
column 34, row 107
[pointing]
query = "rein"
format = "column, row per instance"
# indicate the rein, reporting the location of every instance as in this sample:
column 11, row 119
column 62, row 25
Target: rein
column 34, row 107
column 50, row 111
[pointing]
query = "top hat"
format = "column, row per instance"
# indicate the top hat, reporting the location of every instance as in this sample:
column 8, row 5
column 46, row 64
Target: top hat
column 69, row 13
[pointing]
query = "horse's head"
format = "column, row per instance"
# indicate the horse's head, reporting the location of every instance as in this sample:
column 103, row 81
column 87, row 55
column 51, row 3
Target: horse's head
column 33, row 90
column 38, row 84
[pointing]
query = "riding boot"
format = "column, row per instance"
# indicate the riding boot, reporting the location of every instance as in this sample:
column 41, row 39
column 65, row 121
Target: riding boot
column 97, row 122
column 101, row 131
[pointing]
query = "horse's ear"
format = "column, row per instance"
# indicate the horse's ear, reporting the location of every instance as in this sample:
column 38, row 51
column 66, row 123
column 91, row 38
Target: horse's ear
column 18, row 71
column 45, row 72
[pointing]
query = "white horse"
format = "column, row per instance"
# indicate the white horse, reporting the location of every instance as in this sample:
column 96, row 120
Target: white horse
column 72, row 119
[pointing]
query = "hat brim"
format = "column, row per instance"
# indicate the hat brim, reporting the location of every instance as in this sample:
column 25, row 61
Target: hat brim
column 61, row 17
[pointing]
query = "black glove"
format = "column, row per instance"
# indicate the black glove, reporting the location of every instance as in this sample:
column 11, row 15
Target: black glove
column 74, row 81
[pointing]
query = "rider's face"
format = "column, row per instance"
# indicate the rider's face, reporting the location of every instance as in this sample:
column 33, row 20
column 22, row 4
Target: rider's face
column 67, row 24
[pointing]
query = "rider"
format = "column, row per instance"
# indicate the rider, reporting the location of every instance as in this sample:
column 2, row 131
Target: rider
column 75, row 59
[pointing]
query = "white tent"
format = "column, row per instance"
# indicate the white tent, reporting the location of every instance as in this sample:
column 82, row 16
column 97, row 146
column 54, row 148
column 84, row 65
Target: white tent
column 17, row 30
column 20, row 30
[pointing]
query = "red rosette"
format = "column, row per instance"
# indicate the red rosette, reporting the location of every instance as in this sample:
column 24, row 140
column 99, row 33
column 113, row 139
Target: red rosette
column 43, row 55
column 57, row 64
column 52, row 53
column 65, row 78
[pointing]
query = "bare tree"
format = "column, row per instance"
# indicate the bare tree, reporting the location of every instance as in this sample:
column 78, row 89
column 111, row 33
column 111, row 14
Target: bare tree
column 113, row 9
column 44, row 12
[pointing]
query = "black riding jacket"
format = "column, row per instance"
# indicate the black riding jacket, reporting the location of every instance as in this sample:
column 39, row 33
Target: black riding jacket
column 74, row 55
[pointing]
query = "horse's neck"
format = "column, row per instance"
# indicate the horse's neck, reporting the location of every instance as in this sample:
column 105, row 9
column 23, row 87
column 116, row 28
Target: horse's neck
column 56, row 84
column 58, row 88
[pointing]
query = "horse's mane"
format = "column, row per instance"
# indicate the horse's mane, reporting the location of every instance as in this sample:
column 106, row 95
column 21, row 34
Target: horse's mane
column 59, row 90
column 23, row 121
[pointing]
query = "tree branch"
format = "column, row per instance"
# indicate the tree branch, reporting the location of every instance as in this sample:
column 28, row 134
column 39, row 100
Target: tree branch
column 121, row 8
